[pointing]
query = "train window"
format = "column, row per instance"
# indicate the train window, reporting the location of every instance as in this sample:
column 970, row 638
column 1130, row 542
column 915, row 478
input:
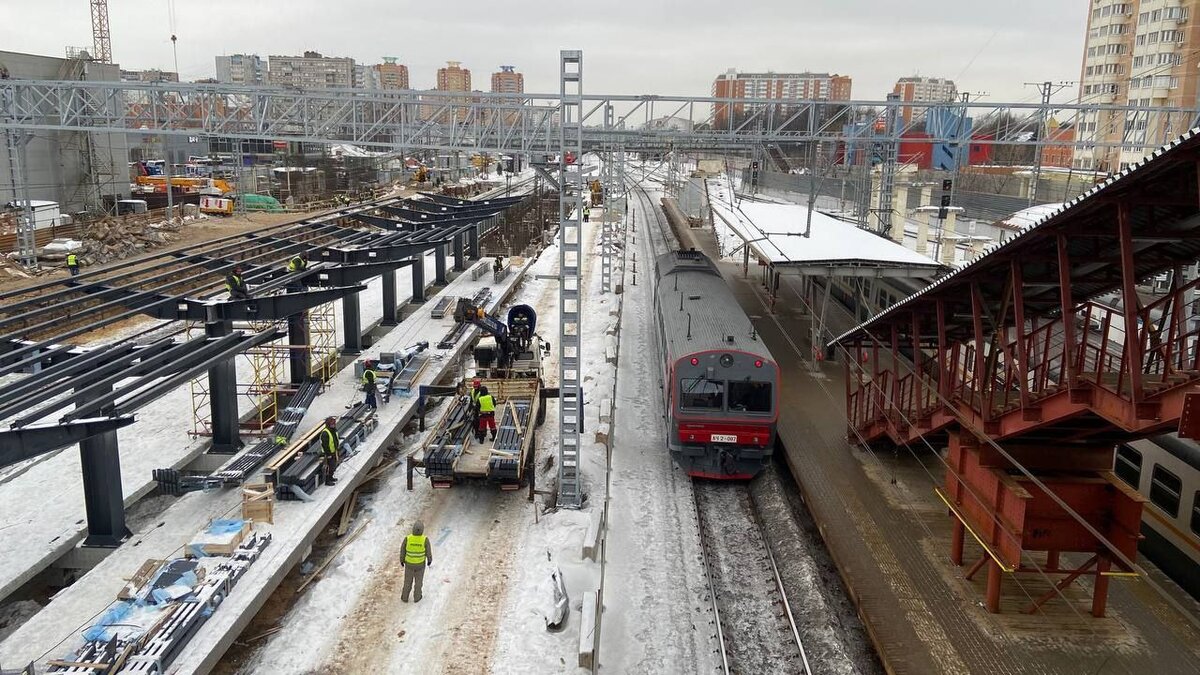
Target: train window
column 750, row 396
column 1196, row 512
column 1165, row 489
column 701, row 392
column 1128, row 466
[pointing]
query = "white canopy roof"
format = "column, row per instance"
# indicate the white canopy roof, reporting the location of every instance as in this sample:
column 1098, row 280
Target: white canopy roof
column 775, row 232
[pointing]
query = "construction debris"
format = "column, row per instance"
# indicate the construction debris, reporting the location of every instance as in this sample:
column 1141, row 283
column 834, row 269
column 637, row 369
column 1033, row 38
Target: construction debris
column 112, row 239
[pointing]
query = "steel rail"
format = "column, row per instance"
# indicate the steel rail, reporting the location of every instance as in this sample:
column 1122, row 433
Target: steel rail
column 787, row 606
column 708, row 575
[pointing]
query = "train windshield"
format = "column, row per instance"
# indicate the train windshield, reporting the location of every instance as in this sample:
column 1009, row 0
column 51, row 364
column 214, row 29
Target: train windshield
column 701, row 392
column 750, row 396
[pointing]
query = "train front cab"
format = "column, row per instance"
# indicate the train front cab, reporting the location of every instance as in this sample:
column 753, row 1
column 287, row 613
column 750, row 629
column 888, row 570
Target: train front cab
column 722, row 412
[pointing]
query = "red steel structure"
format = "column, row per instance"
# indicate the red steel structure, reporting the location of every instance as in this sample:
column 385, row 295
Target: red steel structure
column 1029, row 405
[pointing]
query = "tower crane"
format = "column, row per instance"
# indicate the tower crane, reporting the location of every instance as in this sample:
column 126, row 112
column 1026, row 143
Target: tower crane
column 101, row 40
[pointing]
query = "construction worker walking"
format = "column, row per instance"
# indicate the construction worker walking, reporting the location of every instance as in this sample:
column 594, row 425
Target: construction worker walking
column 331, row 447
column 236, row 285
column 73, row 264
column 487, row 415
column 587, row 213
column 418, row 555
column 368, row 383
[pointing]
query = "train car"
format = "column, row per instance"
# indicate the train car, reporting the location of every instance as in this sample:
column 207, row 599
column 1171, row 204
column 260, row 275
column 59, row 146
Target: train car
column 720, row 384
column 1166, row 470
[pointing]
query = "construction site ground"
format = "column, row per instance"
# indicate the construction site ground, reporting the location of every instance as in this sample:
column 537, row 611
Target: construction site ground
column 296, row 523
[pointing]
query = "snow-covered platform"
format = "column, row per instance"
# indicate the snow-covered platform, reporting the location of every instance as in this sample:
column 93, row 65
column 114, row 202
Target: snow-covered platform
column 38, row 530
column 54, row 630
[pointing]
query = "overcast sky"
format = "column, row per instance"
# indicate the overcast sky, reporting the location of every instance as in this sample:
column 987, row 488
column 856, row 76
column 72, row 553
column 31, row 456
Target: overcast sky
column 630, row 47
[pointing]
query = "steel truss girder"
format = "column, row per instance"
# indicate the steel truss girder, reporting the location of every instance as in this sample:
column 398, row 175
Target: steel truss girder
column 267, row 308
column 477, row 121
column 18, row 445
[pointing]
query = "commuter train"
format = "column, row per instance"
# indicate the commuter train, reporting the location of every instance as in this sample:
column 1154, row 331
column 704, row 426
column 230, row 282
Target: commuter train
column 720, row 384
column 1166, row 470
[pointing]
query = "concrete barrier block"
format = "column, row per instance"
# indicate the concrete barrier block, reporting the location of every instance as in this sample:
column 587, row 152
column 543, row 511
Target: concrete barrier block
column 591, row 540
column 588, row 633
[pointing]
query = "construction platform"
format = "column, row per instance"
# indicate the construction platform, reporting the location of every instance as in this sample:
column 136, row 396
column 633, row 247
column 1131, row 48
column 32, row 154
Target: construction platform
column 889, row 534
column 39, row 532
column 55, row 629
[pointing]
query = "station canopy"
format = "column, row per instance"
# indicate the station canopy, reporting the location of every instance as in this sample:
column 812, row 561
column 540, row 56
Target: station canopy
column 775, row 235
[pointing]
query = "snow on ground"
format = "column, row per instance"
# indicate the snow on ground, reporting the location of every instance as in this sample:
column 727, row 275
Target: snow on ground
column 489, row 586
column 38, row 530
column 655, row 599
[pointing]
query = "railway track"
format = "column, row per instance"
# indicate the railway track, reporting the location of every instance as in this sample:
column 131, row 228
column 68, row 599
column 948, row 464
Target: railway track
column 756, row 630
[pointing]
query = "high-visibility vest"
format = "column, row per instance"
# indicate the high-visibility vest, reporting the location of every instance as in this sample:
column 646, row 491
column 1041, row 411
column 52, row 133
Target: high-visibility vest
column 72, row 260
column 475, row 395
column 329, row 441
column 234, row 281
column 296, row 264
column 368, row 377
column 415, row 546
column 487, row 404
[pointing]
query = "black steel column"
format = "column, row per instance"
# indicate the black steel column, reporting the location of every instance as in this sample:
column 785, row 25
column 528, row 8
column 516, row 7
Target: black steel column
column 473, row 241
column 418, row 278
column 352, row 320
column 439, row 265
column 389, row 298
column 460, row 261
column 299, row 356
column 222, row 395
column 103, row 496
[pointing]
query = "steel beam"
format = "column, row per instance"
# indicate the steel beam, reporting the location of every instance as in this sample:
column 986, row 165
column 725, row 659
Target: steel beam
column 222, row 395
column 473, row 242
column 352, row 324
column 103, row 494
column 388, row 281
column 439, row 265
column 20, row 444
column 418, row 279
column 266, row 308
column 299, row 354
column 1129, row 306
column 460, row 262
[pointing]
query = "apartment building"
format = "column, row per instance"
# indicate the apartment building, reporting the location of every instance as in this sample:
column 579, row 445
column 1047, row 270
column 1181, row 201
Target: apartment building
column 312, row 71
column 918, row 89
column 784, row 86
column 241, row 69
column 390, row 74
column 1139, row 53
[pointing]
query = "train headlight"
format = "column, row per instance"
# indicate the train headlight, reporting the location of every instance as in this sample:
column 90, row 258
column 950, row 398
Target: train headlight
column 727, row 360
column 695, row 361
column 758, row 363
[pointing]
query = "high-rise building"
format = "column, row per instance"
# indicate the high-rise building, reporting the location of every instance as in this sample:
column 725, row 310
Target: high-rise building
column 923, row 89
column 1136, row 52
column 241, row 69
column 783, row 86
column 453, row 77
column 391, row 75
column 508, row 81
column 311, row 71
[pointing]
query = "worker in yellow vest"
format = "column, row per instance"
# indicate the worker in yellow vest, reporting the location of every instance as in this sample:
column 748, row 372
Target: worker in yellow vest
column 331, row 447
column 487, row 415
column 418, row 554
column 369, row 386
column 73, row 264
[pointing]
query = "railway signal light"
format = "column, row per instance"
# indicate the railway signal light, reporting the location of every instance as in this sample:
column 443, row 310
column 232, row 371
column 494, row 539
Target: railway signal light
column 945, row 201
column 947, row 184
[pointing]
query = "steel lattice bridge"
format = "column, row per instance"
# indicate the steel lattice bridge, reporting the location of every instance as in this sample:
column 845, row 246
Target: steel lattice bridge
column 526, row 123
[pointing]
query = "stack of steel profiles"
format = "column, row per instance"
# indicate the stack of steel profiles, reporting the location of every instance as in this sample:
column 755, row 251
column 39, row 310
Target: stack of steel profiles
column 284, row 429
column 452, row 336
column 479, row 270
column 505, row 463
column 439, row 309
column 172, row 482
column 448, row 442
column 302, row 469
column 403, row 381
